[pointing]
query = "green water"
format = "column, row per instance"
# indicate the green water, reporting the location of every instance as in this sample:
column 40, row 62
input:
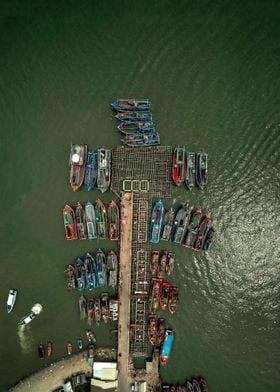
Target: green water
column 211, row 70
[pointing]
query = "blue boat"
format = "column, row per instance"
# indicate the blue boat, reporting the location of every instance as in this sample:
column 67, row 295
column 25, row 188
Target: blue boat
column 121, row 105
column 135, row 116
column 90, row 272
column 141, row 139
column 131, row 127
column 80, row 274
column 190, row 172
column 156, row 222
column 166, row 347
column 91, row 170
column 101, row 268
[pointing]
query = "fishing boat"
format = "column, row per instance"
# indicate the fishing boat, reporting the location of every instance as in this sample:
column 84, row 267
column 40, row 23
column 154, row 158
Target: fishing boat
column 90, row 336
column 81, row 222
column 161, row 331
column 201, row 170
column 82, row 307
column 168, row 224
column 11, row 300
column 69, row 348
column 208, row 239
column 170, row 263
column 152, row 329
column 27, row 319
column 90, row 272
column 189, row 386
column 90, row 310
column 114, row 309
column 71, row 277
column 196, row 386
column 164, row 298
column 90, row 221
column 190, row 170
column 192, row 229
column 179, row 166
column 154, row 262
column 181, row 222
column 101, row 267
column 141, row 139
column 104, row 301
column 70, row 226
column 144, row 116
column 80, row 274
column 80, row 344
column 121, row 105
column 91, row 170
column 41, row 351
column 49, row 349
column 104, row 169
column 97, row 310
column 155, row 295
column 166, row 347
column 90, row 351
column 112, row 268
column 162, row 264
column 203, row 384
column 101, row 219
column 173, row 299
column 205, row 224
column 132, row 127
column 113, row 221
column 77, row 163
column 156, row 221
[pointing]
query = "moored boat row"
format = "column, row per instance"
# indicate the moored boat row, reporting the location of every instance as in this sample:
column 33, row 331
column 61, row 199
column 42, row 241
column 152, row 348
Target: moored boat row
column 162, row 263
column 190, row 168
column 136, row 122
column 89, row 273
column 186, row 226
column 89, row 168
column 196, row 385
column 91, row 222
column 95, row 310
column 163, row 296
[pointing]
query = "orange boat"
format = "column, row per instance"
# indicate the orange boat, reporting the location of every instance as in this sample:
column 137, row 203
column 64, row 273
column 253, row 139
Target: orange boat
column 161, row 331
column 113, row 221
column 162, row 264
column 155, row 295
column 179, row 166
column 49, row 349
column 154, row 262
column 152, row 329
column 164, row 298
column 69, row 348
column 77, row 163
column 70, row 226
column 173, row 299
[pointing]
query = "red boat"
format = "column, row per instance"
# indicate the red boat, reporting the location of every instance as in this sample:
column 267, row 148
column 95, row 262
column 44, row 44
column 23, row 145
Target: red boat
column 170, row 263
column 77, row 162
column 154, row 262
column 69, row 348
column 152, row 331
column 113, row 221
column 164, row 298
column 70, row 226
column 203, row 385
column 179, row 165
column 173, row 299
column 161, row 331
column 155, row 295
column 162, row 264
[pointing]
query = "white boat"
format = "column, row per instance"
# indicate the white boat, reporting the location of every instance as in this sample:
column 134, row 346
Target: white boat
column 11, row 300
column 27, row 319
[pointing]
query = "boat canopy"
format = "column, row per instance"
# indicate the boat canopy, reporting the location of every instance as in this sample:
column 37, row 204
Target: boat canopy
column 167, row 345
column 75, row 158
column 10, row 299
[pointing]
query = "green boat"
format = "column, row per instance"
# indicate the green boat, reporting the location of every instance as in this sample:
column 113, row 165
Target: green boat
column 101, row 219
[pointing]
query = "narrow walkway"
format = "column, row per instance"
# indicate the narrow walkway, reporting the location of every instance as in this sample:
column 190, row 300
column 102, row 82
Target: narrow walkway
column 124, row 290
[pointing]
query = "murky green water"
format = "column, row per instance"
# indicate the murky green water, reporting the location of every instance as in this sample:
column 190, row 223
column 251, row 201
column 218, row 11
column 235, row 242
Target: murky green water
column 211, row 70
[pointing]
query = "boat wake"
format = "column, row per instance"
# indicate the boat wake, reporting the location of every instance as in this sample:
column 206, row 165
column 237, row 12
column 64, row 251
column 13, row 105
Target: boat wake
column 25, row 338
column 37, row 309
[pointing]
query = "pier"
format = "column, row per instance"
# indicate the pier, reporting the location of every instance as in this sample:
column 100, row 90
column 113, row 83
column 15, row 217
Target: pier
column 139, row 176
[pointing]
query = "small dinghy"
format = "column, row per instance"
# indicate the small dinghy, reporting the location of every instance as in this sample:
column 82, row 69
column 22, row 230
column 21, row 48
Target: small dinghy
column 11, row 300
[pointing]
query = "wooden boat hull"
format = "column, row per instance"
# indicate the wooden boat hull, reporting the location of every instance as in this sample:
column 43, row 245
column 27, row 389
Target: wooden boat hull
column 201, row 170
column 156, row 222
column 121, row 105
column 190, row 178
column 70, row 226
column 179, row 166
column 77, row 162
column 91, row 170
column 113, row 221
column 104, row 169
column 142, row 139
